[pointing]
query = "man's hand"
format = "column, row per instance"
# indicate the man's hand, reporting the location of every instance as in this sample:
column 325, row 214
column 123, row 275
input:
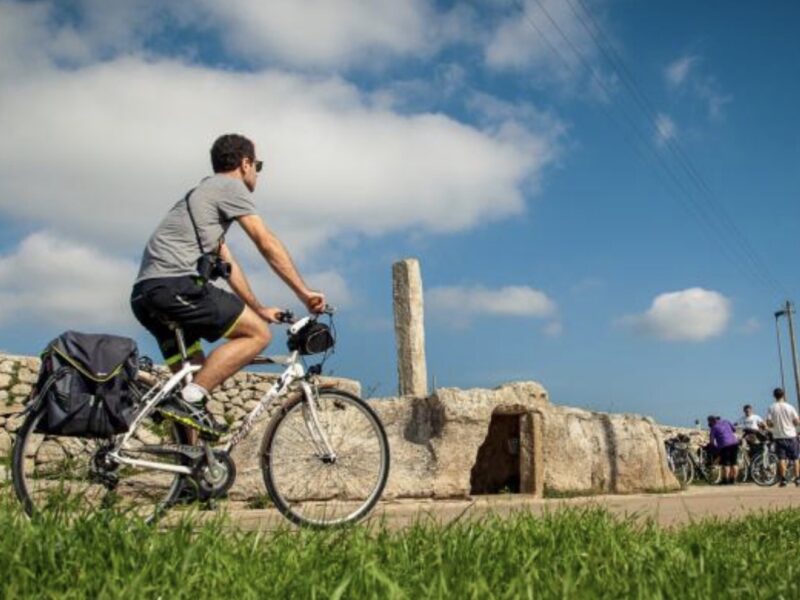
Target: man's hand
column 314, row 301
column 270, row 314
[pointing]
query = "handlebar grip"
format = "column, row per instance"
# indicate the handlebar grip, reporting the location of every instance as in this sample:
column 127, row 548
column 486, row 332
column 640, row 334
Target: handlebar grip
column 286, row 316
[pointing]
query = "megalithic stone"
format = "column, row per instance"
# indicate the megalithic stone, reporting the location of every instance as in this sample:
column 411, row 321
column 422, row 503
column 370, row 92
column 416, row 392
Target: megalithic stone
column 409, row 328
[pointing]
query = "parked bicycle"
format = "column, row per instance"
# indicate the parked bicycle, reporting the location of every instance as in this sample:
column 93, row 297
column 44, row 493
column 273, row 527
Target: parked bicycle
column 324, row 456
column 763, row 460
column 687, row 465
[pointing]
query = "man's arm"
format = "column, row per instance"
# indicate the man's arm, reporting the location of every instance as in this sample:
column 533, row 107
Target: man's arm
column 238, row 280
column 275, row 253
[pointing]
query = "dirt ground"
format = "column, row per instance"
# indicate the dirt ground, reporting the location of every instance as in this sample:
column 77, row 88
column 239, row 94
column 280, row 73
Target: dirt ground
column 674, row 509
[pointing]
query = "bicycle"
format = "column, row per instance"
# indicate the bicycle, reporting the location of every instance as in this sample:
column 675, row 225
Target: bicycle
column 763, row 460
column 324, row 456
column 679, row 460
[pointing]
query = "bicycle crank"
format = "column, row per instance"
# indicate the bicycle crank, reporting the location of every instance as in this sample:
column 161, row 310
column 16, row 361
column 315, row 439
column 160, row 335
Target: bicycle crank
column 214, row 474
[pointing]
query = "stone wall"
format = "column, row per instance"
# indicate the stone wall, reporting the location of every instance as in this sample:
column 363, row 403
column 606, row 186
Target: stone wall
column 435, row 441
column 231, row 402
column 447, row 445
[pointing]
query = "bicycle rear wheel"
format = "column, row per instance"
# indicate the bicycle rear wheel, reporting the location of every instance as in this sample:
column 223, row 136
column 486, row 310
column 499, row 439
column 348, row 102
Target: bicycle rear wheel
column 312, row 489
column 70, row 474
column 683, row 470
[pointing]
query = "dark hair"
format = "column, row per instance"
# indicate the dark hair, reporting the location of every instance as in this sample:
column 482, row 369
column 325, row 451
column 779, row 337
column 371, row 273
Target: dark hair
column 746, row 406
column 712, row 419
column 229, row 150
column 777, row 393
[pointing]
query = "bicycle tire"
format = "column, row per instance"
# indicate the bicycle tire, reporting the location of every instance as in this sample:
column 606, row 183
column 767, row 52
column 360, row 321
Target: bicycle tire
column 764, row 475
column 743, row 465
column 341, row 414
column 69, row 483
column 683, row 470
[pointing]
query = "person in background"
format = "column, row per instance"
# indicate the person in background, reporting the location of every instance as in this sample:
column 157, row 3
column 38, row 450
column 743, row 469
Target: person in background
column 751, row 422
column 724, row 444
column 783, row 419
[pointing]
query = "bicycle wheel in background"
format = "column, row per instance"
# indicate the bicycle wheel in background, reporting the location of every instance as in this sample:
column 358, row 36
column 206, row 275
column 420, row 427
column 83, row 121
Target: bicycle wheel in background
column 764, row 470
column 312, row 489
column 743, row 465
column 69, row 473
column 683, row 469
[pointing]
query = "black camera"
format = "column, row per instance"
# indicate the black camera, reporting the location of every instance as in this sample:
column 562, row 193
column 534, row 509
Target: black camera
column 210, row 267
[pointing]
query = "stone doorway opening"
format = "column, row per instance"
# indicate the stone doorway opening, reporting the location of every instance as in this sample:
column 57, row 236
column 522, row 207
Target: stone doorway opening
column 505, row 459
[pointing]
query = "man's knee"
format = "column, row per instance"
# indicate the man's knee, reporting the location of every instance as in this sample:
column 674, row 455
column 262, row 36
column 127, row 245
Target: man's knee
column 252, row 327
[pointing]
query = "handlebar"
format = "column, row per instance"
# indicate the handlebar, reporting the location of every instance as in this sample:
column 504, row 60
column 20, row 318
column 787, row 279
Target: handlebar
column 288, row 317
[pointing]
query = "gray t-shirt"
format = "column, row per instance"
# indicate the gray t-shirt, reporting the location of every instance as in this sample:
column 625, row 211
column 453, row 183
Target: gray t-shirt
column 172, row 250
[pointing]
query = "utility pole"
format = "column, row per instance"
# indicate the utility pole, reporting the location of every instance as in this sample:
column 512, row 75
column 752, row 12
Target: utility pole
column 788, row 310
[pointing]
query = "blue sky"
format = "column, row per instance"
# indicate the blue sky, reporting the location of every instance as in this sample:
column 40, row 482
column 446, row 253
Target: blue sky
column 492, row 140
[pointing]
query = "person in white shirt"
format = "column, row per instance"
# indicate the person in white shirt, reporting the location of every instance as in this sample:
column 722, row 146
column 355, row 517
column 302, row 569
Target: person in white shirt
column 751, row 422
column 783, row 419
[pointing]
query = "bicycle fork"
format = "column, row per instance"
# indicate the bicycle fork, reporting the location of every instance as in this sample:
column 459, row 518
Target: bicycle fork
column 311, row 417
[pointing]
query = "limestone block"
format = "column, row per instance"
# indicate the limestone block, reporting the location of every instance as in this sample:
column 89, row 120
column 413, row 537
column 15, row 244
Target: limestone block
column 236, row 413
column 250, row 405
column 215, row 407
column 5, row 443
column 7, row 367
column 2, row 421
column 50, row 451
column 14, row 423
column 3, row 395
column 26, row 376
column 21, row 389
column 11, row 409
column 32, row 363
column 409, row 328
column 5, row 380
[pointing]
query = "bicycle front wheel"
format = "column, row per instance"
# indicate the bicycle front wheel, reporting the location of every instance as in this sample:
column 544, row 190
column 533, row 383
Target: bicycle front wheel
column 71, row 474
column 764, row 469
column 311, row 487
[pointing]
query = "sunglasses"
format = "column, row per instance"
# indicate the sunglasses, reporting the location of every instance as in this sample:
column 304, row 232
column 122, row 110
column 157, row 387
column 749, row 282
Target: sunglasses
column 259, row 164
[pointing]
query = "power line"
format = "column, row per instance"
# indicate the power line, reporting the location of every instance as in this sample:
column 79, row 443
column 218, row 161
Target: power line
column 609, row 52
column 741, row 254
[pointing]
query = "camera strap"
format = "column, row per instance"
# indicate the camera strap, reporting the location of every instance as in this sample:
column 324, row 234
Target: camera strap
column 194, row 224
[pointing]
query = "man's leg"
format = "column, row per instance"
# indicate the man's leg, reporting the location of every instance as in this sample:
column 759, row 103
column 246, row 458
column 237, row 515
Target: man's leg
column 249, row 337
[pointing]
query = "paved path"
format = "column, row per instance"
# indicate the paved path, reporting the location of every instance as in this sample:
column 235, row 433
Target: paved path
column 667, row 509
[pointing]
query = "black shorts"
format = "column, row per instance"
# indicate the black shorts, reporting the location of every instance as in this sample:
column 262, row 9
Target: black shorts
column 786, row 448
column 729, row 455
column 202, row 310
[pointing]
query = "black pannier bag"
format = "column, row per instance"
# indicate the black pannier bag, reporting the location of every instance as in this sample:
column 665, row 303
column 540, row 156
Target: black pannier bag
column 313, row 338
column 84, row 386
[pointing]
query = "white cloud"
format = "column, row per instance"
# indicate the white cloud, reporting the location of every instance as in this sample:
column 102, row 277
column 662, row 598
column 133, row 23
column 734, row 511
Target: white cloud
column 307, row 34
column 685, row 75
column 665, row 129
column 677, row 71
column 531, row 40
column 750, row 326
column 51, row 281
column 117, row 142
column 692, row 315
column 511, row 301
column 314, row 33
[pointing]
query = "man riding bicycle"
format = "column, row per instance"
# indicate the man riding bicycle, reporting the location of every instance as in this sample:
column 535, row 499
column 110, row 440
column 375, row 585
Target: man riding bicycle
column 185, row 253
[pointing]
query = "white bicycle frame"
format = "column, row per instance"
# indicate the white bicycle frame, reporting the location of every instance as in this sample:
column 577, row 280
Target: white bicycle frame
column 294, row 372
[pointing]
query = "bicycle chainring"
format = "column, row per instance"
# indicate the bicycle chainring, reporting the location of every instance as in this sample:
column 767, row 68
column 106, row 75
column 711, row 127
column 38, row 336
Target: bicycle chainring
column 215, row 481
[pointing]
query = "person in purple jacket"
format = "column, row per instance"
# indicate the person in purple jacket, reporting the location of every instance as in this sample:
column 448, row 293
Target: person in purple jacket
column 724, row 444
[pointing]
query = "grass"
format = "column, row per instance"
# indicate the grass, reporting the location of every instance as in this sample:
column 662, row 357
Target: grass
column 568, row 554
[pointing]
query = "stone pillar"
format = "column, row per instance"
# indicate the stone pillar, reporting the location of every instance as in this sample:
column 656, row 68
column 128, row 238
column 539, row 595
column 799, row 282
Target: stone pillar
column 409, row 328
